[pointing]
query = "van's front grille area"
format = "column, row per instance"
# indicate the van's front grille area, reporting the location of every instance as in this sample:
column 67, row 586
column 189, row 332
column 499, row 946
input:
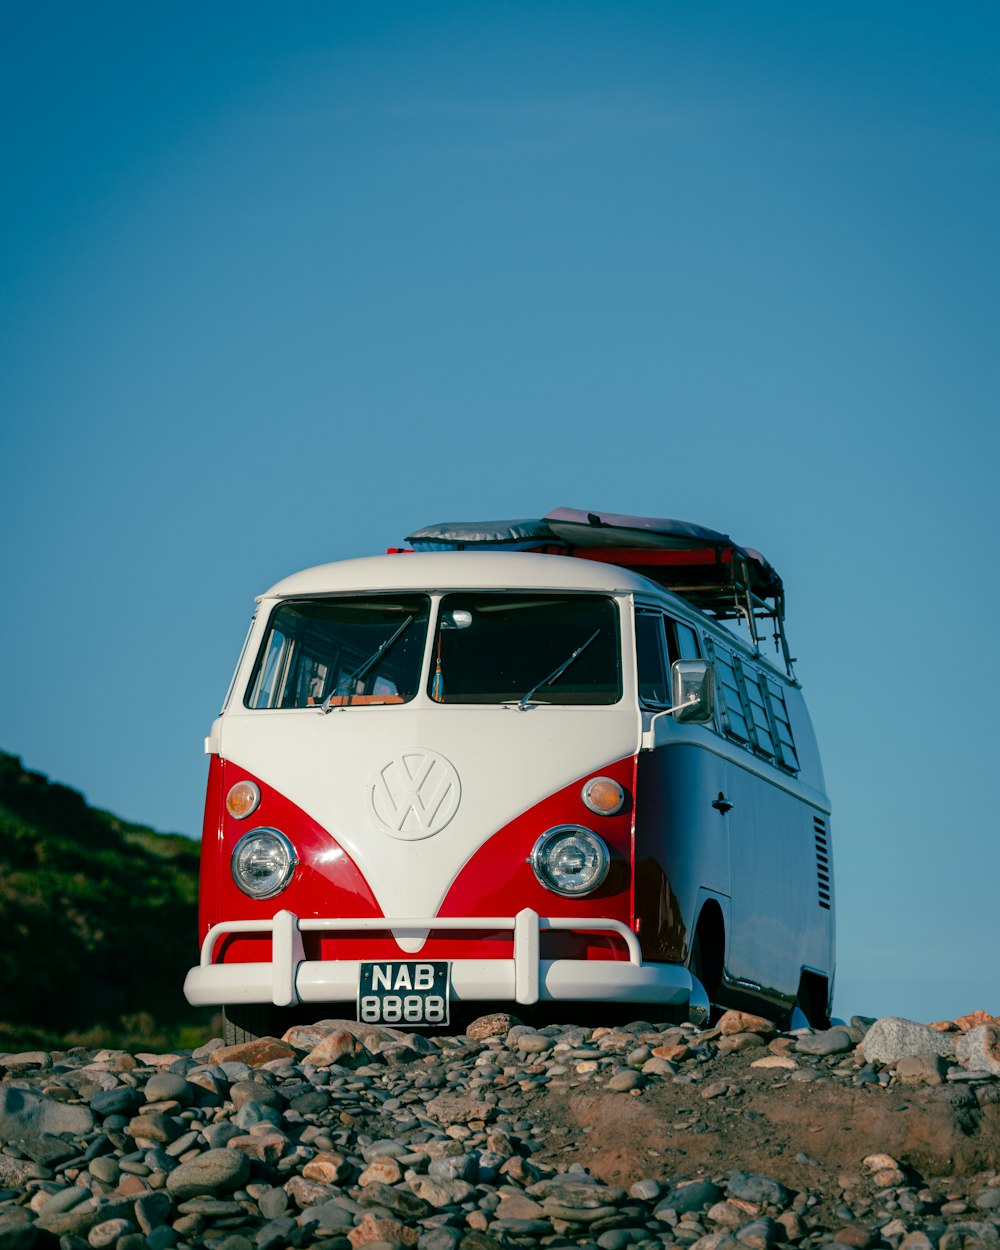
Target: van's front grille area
column 822, row 861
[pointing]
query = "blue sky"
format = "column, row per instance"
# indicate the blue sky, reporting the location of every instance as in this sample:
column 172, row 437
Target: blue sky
column 283, row 282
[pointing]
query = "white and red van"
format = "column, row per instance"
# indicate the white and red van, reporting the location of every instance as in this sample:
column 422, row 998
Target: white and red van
column 517, row 764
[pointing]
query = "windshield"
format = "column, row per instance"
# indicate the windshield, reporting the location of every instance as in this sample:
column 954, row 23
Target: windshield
column 340, row 652
column 499, row 647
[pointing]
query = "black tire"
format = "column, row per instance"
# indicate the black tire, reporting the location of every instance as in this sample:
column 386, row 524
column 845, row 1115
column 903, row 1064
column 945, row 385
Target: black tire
column 812, row 1000
column 246, row 1022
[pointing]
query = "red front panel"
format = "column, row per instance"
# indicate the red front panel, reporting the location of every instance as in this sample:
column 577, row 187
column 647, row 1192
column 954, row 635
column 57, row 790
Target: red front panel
column 497, row 880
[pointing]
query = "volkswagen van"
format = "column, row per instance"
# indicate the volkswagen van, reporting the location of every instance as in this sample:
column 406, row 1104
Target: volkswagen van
column 556, row 765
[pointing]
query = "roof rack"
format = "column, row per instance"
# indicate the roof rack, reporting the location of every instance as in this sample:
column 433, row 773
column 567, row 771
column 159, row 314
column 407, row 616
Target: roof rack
column 704, row 567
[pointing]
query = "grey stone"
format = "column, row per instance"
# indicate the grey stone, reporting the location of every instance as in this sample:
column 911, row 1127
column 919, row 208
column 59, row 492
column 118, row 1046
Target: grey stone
column 442, row 1238
column 859, row 1027
column 753, row 1188
column 216, row 1135
column 625, row 1079
column 106, row 1234
column 169, row 1086
column 829, row 1042
column 275, row 1233
column 646, row 1189
column 329, row 1217
column 16, row 1234
column 687, row 1198
column 15, row 1172
column 153, row 1210
column 273, row 1204
column 164, row 1237
column 400, row 1202
column 256, row 1091
column 520, row 1229
column 386, row 1147
column 65, row 1200
column 121, row 1101
column 453, row 1168
column 252, row 1113
column 970, row 1235
column 105, row 1169
column 27, row 1115
column 979, row 1049
column 82, row 1218
column 235, row 1241
column 571, row 1189
column 534, row 1043
column 892, row 1038
column 619, row 1238
column 210, row 1208
column 182, row 1145
column 216, row 1171
column 49, row 1150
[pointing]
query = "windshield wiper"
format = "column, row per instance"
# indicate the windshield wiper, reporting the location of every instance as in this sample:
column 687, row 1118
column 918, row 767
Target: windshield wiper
column 365, row 668
column 556, row 672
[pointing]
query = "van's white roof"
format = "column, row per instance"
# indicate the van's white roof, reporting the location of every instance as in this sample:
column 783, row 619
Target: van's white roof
column 472, row 570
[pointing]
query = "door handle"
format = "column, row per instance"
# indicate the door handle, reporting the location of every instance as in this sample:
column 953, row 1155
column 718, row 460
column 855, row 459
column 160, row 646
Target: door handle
column 722, row 804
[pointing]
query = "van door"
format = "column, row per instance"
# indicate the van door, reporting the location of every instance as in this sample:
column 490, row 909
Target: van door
column 768, row 854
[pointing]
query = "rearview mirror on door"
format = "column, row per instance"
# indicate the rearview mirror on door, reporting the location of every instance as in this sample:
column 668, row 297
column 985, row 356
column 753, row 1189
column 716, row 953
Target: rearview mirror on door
column 692, row 691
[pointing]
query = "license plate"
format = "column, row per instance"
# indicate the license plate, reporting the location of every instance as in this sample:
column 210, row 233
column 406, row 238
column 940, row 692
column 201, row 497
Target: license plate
column 406, row 994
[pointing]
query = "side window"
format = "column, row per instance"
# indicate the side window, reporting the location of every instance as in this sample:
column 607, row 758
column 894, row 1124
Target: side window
column 651, row 659
column 687, row 642
column 270, row 672
column 752, row 707
column 757, row 707
column 727, row 688
column 783, row 728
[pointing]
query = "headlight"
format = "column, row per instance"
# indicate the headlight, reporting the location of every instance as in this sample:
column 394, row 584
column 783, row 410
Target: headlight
column 242, row 799
column 570, row 860
column 603, row 795
column 263, row 862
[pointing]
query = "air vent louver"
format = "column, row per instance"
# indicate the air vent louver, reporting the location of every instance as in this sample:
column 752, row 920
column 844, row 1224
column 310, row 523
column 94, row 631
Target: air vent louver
column 822, row 862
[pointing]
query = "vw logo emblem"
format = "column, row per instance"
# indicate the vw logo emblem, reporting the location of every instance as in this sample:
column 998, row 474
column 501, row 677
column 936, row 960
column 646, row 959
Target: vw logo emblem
column 414, row 795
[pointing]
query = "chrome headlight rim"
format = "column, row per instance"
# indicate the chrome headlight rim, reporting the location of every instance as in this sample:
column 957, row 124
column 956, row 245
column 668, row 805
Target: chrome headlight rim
column 292, row 861
column 602, row 811
column 540, row 866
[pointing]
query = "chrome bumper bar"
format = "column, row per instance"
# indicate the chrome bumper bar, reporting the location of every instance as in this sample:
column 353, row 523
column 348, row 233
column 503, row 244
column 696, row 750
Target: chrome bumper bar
column 289, row 978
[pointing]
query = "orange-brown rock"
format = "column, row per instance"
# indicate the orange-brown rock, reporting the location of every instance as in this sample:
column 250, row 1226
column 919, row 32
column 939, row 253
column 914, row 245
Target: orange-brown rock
column 382, row 1169
column 974, row 1019
column 265, row 1147
column 254, row 1054
column 341, row 1048
column 735, row 1043
column 744, row 1022
column 327, row 1168
column 676, row 1054
column 376, row 1228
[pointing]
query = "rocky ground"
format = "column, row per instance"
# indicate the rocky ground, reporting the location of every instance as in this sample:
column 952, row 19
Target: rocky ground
column 878, row 1134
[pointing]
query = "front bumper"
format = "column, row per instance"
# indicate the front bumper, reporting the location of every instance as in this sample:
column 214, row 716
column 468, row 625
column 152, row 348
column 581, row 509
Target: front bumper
column 289, row 978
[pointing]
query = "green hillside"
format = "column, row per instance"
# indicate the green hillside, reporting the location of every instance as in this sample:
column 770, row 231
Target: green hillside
column 98, row 919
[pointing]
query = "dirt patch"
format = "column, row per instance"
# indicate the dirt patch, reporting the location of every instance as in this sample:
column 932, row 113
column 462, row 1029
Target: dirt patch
column 802, row 1133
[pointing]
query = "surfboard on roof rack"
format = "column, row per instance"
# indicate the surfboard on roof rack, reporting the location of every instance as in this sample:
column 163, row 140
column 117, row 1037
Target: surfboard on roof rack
column 703, row 566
